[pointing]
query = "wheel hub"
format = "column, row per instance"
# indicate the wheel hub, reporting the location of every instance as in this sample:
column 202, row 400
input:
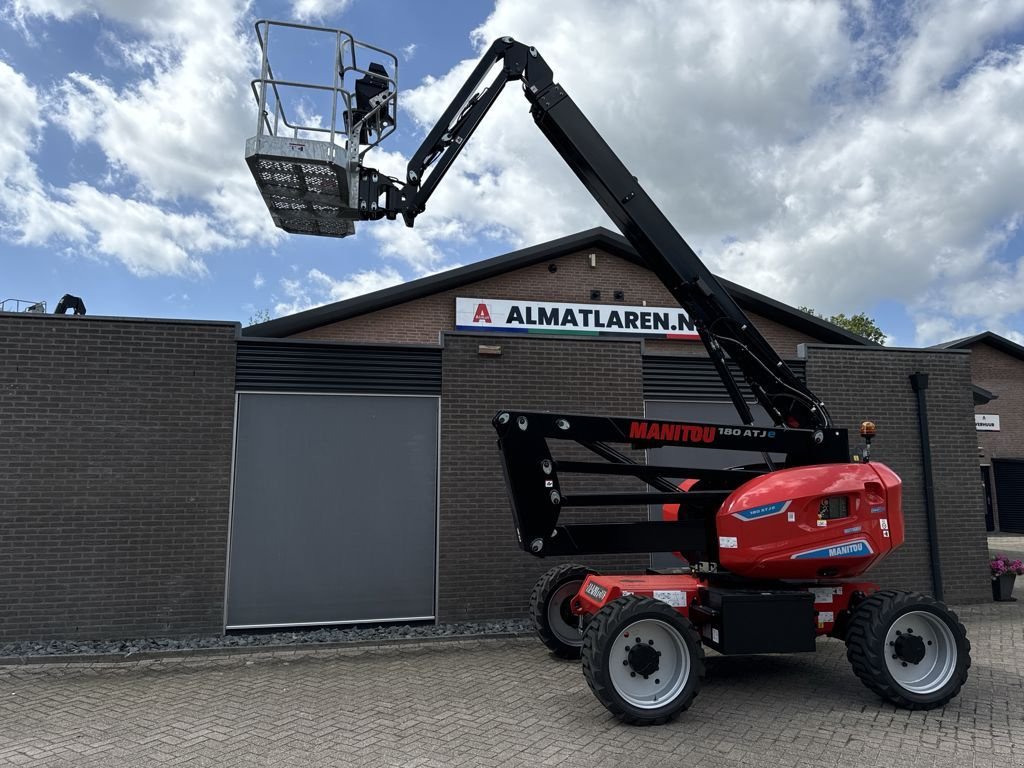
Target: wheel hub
column 909, row 648
column 643, row 659
column 920, row 652
column 565, row 611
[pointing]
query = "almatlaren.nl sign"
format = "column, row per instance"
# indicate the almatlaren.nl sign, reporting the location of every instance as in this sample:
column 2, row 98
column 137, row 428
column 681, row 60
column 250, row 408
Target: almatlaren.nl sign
column 514, row 316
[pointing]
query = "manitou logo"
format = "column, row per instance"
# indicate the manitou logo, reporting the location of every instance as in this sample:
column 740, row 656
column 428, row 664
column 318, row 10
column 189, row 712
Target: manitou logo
column 481, row 315
column 858, row 548
column 671, row 433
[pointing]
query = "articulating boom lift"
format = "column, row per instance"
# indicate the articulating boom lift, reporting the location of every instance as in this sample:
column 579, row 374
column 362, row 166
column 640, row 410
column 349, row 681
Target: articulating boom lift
column 776, row 547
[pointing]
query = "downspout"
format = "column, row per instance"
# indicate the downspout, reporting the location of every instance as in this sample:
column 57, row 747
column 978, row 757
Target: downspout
column 919, row 382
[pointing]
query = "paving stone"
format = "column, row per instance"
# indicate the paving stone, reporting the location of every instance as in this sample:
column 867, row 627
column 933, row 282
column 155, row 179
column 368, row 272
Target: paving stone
column 501, row 703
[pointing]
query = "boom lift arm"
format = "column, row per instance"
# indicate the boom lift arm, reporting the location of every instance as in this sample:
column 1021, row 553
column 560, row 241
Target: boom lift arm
column 722, row 325
column 803, row 432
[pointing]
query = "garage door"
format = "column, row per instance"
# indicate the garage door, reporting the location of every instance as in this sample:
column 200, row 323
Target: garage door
column 1009, row 477
column 334, row 495
column 334, row 510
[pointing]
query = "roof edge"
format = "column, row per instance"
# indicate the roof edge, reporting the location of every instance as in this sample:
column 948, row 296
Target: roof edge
column 597, row 237
column 991, row 338
column 442, row 281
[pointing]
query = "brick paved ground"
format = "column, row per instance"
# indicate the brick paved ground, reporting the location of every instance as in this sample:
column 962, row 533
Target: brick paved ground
column 500, row 703
column 1011, row 544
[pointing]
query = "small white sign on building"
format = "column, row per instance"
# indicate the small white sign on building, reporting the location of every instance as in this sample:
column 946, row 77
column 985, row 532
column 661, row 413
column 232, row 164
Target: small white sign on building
column 986, row 422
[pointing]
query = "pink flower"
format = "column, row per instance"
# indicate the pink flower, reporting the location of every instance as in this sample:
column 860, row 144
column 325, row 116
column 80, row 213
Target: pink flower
column 1001, row 564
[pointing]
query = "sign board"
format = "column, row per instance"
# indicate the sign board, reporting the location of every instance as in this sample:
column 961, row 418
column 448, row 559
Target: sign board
column 986, row 423
column 515, row 316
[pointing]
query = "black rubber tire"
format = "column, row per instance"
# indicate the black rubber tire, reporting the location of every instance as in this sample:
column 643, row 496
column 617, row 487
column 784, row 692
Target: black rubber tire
column 866, row 647
column 546, row 587
column 607, row 626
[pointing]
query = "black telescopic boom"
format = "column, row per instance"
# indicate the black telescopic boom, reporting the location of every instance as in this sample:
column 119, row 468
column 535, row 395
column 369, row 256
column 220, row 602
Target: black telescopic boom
column 723, row 327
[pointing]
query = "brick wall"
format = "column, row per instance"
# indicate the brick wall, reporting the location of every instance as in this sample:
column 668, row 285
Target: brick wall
column 115, row 458
column 1002, row 375
column 860, row 384
column 482, row 572
column 424, row 320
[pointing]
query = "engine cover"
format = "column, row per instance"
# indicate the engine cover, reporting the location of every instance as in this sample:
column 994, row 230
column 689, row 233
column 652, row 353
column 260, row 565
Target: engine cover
column 826, row 521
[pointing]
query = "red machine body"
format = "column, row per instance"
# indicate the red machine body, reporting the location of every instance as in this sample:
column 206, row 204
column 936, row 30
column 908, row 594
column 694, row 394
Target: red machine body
column 818, row 522
column 811, row 527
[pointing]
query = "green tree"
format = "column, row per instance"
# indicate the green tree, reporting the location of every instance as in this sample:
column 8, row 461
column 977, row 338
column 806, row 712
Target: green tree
column 259, row 316
column 860, row 324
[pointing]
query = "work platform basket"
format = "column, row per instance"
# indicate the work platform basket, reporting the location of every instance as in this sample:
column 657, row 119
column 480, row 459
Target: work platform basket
column 311, row 136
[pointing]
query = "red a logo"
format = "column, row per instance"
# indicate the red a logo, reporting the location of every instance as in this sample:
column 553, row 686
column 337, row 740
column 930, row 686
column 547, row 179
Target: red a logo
column 481, row 314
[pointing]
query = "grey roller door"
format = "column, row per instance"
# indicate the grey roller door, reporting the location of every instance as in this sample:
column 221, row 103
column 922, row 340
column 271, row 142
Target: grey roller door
column 334, row 509
column 1009, row 477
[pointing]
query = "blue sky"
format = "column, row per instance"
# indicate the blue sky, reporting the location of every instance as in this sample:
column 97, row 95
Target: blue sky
column 843, row 155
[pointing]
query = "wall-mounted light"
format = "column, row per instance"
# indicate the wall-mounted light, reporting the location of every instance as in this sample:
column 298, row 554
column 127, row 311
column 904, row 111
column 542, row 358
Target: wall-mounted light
column 489, row 350
column 593, row 260
column 595, row 294
column 620, row 295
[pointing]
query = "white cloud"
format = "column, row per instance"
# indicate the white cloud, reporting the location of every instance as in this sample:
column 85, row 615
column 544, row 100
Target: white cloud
column 175, row 132
column 409, row 51
column 258, row 281
column 19, row 135
column 318, row 10
column 947, row 39
column 319, row 288
column 126, row 11
column 818, row 152
column 141, row 236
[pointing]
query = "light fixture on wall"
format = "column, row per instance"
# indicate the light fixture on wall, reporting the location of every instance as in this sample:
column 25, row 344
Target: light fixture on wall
column 489, row 350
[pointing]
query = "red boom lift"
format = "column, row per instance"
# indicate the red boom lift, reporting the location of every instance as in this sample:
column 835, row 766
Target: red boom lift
column 776, row 549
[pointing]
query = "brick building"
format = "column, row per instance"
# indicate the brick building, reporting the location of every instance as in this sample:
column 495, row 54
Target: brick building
column 480, row 570
column 997, row 371
column 338, row 465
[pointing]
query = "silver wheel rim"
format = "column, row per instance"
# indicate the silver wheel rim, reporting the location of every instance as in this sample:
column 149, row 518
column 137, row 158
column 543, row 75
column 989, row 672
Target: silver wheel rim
column 932, row 672
column 566, row 633
column 661, row 687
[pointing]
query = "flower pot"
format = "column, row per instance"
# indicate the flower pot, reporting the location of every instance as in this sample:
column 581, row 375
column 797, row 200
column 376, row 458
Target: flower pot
column 1002, row 586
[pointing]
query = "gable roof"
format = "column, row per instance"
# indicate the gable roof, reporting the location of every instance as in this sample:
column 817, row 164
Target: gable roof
column 1001, row 343
column 598, row 237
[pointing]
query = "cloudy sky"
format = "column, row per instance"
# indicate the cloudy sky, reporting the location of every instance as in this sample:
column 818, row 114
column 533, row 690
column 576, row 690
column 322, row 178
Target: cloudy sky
column 850, row 156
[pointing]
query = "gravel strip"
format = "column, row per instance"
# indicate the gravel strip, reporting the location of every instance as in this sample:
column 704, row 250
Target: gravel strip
column 64, row 649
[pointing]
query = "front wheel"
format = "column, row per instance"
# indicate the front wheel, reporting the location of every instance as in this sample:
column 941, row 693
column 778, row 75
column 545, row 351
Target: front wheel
column 643, row 660
column 908, row 648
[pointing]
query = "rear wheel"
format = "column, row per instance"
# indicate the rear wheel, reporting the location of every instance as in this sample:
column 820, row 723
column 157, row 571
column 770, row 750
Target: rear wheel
column 550, row 609
column 908, row 648
column 643, row 660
